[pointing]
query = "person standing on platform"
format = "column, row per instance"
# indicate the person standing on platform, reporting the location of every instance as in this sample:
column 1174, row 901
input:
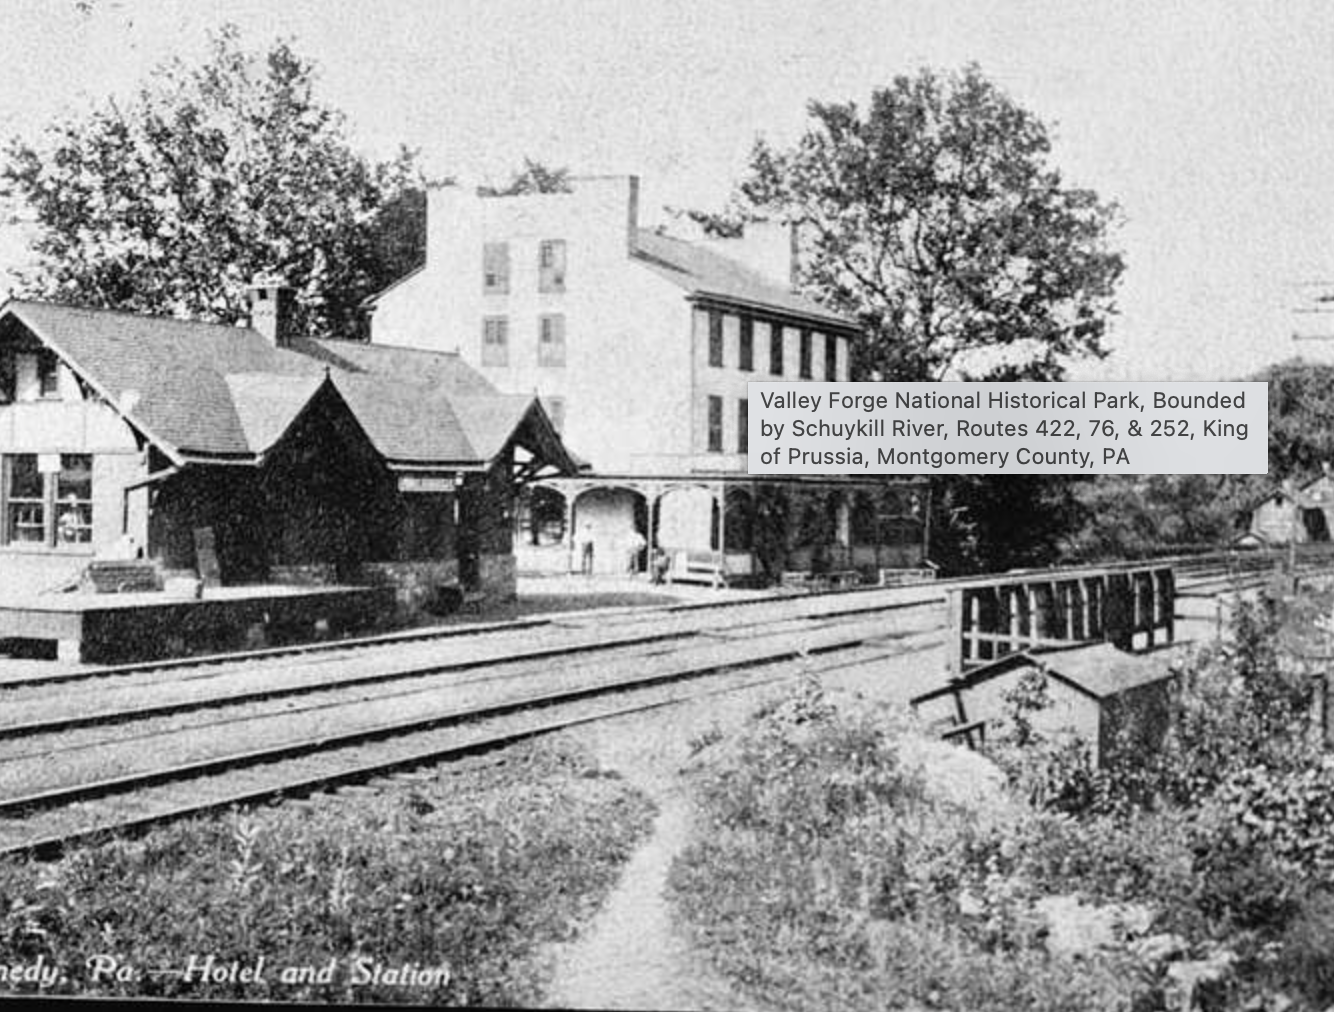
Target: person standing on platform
column 585, row 545
column 634, row 544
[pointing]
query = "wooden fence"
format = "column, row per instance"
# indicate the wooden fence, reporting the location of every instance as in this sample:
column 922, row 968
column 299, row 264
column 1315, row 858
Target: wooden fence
column 1131, row 607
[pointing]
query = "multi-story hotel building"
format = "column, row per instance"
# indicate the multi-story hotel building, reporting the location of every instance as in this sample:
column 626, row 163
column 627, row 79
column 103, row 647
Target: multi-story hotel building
column 641, row 346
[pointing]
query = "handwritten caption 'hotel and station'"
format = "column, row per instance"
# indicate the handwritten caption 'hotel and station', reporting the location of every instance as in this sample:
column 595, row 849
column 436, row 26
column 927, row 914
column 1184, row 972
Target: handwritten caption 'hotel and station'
column 1008, row 428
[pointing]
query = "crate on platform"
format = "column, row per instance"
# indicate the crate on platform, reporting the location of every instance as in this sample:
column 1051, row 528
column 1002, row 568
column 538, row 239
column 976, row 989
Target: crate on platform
column 121, row 576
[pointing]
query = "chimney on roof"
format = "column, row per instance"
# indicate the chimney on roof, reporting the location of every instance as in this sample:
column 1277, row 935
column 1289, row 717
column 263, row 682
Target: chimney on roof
column 271, row 309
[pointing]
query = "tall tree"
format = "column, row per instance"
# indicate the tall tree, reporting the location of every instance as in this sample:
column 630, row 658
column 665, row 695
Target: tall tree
column 935, row 220
column 173, row 201
column 534, row 177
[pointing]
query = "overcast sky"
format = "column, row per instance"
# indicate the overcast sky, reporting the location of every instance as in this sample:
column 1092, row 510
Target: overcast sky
column 1208, row 122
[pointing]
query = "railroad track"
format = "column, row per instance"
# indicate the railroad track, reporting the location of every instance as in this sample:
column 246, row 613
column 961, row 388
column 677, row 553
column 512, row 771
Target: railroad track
column 87, row 752
column 96, row 765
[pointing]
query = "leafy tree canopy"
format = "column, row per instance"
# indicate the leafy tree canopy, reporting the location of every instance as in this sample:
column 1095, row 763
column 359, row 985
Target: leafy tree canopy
column 934, row 218
column 210, row 175
column 534, row 177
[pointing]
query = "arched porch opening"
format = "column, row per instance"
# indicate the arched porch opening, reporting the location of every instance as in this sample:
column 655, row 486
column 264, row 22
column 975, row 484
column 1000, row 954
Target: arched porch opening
column 541, row 529
column 609, row 531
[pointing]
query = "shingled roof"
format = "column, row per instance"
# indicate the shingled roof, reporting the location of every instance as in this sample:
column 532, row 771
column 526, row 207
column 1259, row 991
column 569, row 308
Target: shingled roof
column 208, row 391
column 705, row 273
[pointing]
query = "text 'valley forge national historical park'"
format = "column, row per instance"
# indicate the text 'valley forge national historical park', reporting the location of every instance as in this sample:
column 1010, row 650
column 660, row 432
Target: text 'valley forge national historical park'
column 1006, row 428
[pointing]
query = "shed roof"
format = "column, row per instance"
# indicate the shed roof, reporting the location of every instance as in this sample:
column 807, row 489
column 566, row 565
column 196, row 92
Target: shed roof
column 1102, row 671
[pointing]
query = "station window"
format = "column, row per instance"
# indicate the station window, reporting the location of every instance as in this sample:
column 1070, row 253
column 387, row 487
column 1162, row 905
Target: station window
column 715, row 424
column 495, row 340
column 743, row 426
column 776, row 349
column 551, row 265
column 25, row 500
column 47, row 507
column 830, row 357
column 496, row 268
column 804, row 363
column 74, row 500
column 48, row 374
column 551, row 339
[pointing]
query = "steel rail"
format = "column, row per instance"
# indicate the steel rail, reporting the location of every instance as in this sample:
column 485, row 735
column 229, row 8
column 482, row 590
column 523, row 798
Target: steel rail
column 50, row 844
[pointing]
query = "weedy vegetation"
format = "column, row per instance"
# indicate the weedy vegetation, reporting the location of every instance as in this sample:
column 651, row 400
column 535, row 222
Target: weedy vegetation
column 829, row 871
column 475, row 871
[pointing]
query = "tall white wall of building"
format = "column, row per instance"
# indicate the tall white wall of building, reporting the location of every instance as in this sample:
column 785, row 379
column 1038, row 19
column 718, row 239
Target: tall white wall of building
column 625, row 381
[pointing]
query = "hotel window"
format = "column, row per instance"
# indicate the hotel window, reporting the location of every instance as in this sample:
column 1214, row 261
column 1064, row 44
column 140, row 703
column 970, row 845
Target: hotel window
column 551, row 265
column 25, row 500
column 776, row 349
column 743, row 426
column 830, row 358
column 48, row 374
column 551, row 339
column 805, row 361
column 555, row 409
column 715, row 338
column 496, row 268
column 495, row 340
column 715, row 424
column 747, row 344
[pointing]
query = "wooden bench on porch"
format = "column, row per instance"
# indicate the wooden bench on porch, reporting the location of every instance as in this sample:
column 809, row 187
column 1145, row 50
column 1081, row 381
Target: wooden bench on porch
column 813, row 583
column 698, row 567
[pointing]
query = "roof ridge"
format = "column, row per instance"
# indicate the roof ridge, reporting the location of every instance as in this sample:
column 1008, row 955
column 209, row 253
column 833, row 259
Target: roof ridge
column 384, row 346
column 103, row 311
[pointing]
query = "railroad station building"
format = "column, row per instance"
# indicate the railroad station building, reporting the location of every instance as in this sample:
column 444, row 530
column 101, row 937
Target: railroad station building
column 250, row 455
column 641, row 346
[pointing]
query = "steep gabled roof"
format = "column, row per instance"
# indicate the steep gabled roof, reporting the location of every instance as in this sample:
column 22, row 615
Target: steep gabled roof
column 705, row 273
column 207, row 391
column 444, row 370
column 168, row 377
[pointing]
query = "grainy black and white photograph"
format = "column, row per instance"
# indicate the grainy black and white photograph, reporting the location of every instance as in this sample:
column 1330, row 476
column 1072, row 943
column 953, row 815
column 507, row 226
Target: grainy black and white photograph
column 391, row 611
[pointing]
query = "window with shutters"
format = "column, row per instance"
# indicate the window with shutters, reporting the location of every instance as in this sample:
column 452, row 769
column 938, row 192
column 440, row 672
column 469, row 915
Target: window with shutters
column 715, row 424
column 551, row 265
column 496, row 340
column 551, row 339
column 496, row 268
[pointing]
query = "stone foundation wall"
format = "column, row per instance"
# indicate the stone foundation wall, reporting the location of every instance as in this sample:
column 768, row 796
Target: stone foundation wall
column 420, row 588
column 497, row 576
column 313, row 574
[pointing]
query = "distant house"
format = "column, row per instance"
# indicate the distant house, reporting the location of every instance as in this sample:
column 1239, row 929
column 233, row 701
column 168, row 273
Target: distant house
column 1295, row 512
column 1110, row 698
column 303, row 460
column 641, row 346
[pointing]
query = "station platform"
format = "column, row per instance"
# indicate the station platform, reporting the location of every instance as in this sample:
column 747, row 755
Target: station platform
column 123, row 628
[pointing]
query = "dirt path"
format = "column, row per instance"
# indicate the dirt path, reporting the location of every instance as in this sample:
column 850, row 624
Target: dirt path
column 633, row 955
